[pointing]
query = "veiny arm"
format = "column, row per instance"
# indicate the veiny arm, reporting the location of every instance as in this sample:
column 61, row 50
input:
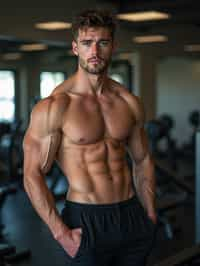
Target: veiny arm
column 40, row 146
column 143, row 172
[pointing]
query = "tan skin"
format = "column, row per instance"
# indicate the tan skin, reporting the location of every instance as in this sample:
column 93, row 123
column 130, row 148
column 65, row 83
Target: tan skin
column 86, row 125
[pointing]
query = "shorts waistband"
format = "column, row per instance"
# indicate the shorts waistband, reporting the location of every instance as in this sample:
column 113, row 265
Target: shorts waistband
column 96, row 206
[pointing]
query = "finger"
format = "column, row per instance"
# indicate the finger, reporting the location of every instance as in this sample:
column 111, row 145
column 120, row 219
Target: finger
column 77, row 234
column 78, row 230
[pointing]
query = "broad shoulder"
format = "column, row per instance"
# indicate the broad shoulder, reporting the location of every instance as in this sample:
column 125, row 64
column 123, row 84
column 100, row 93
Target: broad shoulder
column 53, row 104
column 58, row 100
column 133, row 101
column 47, row 114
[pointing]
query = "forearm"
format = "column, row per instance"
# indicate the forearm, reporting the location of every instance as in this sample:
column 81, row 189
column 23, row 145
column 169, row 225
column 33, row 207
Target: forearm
column 44, row 203
column 145, row 183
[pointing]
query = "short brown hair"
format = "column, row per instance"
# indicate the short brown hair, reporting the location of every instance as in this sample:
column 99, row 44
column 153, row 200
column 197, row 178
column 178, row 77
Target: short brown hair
column 94, row 18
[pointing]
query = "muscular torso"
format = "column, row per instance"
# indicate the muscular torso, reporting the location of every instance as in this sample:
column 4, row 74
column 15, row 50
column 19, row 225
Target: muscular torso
column 92, row 149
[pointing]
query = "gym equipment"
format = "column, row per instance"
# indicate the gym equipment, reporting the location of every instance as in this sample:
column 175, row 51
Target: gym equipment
column 5, row 190
column 155, row 133
column 169, row 196
column 12, row 142
column 188, row 148
column 190, row 256
column 15, row 152
column 11, row 153
column 171, row 191
column 194, row 120
column 8, row 252
column 159, row 131
column 175, row 178
column 4, row 131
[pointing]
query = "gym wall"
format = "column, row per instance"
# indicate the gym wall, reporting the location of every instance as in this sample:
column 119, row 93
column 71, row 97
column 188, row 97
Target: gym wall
column 178, row 93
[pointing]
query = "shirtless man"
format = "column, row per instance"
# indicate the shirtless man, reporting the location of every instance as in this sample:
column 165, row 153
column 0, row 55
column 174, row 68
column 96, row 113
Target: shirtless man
column 87, row 124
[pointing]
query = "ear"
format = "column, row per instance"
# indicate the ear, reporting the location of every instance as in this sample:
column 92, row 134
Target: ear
column 75, row 48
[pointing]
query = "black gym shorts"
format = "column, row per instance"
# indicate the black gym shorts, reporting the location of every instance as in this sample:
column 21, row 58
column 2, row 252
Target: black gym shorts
column 117, row 234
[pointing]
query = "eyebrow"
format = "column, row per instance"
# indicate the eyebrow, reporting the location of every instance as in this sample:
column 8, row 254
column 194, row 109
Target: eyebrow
column 90, row 40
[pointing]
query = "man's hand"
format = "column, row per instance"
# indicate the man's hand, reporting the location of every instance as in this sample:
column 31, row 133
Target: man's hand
column 70, row 240
column 152, row 216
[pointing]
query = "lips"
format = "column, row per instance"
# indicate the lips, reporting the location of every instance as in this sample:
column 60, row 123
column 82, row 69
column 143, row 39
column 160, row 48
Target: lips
column 95, row 61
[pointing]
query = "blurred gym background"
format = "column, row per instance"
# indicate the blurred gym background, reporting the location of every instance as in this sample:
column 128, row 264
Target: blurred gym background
column 158, row 59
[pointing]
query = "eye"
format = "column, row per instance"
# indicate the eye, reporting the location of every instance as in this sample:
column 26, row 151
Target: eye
column 104, row 43
column 86, row 43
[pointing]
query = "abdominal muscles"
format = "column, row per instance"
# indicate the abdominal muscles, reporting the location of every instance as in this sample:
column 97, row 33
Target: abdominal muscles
column 97, row 172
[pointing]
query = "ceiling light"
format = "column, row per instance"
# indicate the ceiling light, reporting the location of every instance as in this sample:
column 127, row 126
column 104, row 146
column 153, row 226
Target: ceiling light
column 33, row 47
column 192, row 48
column 54, row 25
column 143, row 16
column 11, row 56
column 150, row 39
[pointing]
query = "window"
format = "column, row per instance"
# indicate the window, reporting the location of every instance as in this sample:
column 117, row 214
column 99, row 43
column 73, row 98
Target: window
column 48, row 82
column 7, row 96
column 122, row 72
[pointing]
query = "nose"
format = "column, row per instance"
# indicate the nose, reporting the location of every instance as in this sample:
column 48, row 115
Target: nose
column 95, row 48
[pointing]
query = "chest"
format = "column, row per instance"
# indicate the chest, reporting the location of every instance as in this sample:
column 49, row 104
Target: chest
column 89, row 120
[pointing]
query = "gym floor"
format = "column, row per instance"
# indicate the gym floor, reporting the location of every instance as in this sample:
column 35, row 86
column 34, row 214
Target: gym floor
column 24, row 229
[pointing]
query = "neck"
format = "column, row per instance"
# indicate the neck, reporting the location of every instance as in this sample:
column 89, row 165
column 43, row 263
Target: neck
column 90, row 83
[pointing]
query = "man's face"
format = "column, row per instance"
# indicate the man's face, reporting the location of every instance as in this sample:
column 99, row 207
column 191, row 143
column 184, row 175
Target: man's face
column 94, row 47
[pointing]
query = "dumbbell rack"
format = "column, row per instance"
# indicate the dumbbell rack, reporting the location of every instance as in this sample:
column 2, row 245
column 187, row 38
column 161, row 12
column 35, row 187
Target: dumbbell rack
column 190, row 256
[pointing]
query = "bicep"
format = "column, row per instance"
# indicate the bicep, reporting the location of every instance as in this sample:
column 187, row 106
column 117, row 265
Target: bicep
column 39, row 154
column 31, row 147
column 48, row 150
column 42, row 138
